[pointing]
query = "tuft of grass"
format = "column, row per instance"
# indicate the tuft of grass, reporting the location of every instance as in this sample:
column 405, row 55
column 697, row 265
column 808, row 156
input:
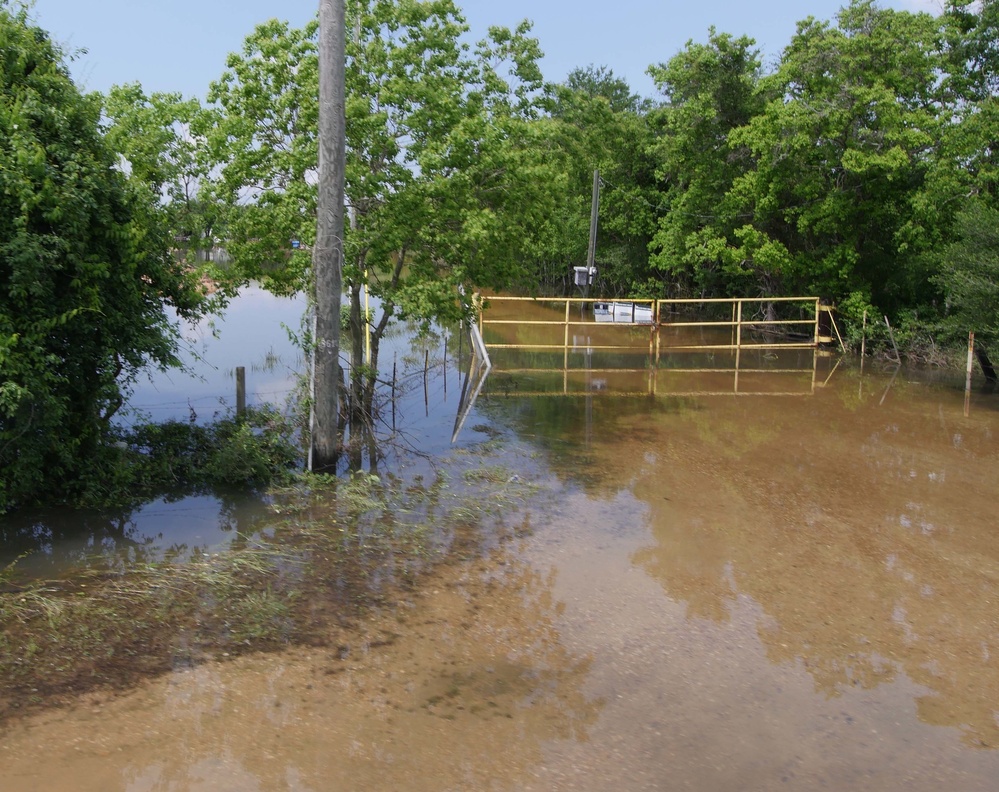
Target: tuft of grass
column 258, row 616
column 492, row 475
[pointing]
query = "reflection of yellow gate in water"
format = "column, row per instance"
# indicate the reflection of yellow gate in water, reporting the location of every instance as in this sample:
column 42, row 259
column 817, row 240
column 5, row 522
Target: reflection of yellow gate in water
column 750, row 346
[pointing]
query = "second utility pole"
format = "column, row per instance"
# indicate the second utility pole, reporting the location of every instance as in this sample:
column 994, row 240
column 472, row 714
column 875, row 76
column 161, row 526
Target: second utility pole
column 591, row 254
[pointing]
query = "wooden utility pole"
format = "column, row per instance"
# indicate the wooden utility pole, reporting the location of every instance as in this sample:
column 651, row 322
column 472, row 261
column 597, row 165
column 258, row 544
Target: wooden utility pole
column 327, row 256
column 591, row 254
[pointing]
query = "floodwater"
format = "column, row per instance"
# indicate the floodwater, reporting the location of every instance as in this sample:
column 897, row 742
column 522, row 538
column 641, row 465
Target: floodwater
column 711, row 592
column 254, row 332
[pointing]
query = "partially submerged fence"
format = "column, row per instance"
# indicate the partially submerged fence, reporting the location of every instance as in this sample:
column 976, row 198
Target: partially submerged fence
column 731, row 339
column 771, row 330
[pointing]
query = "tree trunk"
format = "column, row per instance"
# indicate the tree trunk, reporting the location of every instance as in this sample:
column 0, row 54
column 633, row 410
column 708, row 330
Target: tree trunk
column 328, row 252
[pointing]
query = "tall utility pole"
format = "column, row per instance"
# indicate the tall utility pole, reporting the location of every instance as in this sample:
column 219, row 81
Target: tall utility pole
column 327, row 256
column 591, row 252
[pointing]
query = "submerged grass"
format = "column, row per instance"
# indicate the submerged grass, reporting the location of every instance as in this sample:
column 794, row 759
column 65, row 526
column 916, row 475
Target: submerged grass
column 336, row 548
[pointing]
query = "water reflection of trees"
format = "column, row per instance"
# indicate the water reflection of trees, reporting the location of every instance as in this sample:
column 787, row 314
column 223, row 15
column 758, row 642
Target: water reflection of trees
column 45, row 545
column 381, row 402
column 53, row 543
column 861, row 526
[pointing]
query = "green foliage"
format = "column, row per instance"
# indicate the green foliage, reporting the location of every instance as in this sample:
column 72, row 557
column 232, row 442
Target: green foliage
column 859, row 319
column 176, row 459
column 149, row 133
column 85, row 271
column 438, row 152
column 165, row 161
column 445, row 182
column 966, row 159
column 710, row 90
column 597, row 124
column 840, row 173
column 969, row 274
column 259, row 143
column 255, row 451
column 599, row 81
column 970, row 28
column 841, row 151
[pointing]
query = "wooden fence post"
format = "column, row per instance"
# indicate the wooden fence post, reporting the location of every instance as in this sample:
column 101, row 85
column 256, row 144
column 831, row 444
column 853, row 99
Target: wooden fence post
column 967, row 384
column 891, row 335
column 240, row 391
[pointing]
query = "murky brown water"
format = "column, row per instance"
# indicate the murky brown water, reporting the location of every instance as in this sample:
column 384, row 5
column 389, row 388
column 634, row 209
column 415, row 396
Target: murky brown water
column 716, row 593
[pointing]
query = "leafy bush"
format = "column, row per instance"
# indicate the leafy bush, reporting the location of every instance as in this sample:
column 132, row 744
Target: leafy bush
column 254, row 451
column 85, row 272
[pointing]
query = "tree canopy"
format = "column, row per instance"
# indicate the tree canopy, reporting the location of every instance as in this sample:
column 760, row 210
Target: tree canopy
column 840, row 170
column 844, row 171
column 85, row 271
column 446, row 179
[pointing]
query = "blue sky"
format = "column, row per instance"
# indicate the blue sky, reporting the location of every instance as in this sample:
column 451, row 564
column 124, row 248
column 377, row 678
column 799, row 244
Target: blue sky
column 181, row 45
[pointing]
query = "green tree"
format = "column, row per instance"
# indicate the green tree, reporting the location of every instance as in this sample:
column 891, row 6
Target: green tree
column 966, row 160
column 962, row 190
column 841, row 152
column 443, row 177
column 599, row 81
column 970, row 32
column 258, row 134
column 164, row 159
column 85, row 270
column 710, row 90
column 969, row 274
column 597, row 123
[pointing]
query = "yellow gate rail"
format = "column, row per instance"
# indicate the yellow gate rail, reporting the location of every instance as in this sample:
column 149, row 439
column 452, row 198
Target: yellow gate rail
column 739, row 323
column 671, row 329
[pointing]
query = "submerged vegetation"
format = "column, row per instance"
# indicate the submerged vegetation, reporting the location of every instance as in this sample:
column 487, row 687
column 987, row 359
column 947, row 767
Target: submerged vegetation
column 258, row 449
column 334, row 549
column 174, row 458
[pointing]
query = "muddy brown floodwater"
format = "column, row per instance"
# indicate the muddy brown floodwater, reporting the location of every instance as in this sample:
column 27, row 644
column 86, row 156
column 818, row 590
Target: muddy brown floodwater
column 712, row 593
